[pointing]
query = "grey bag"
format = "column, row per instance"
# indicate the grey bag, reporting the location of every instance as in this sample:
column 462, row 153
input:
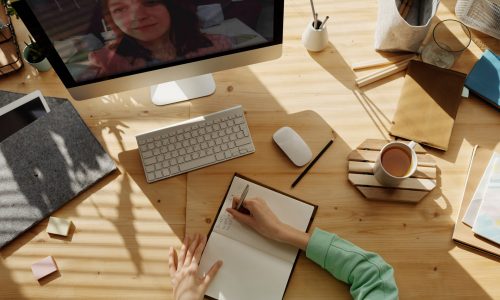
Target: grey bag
column 395, row 33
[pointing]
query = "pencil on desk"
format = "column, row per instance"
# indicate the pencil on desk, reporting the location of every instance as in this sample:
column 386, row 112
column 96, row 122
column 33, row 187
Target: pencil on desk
column 312, row 163
column 382, row 61
column 383, row 73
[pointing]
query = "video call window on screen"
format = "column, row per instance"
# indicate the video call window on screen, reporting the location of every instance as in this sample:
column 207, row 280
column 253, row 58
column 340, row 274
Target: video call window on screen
column 102, row 38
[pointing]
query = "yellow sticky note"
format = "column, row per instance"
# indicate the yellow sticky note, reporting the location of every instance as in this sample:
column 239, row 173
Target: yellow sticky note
column 58, row 226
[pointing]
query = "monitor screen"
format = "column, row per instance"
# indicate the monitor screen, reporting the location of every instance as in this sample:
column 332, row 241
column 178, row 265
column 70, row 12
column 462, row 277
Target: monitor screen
column 19, row 117
column 97, row 40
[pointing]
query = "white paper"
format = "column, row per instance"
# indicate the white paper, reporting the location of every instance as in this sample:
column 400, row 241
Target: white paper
column 477, row 198
column 246, row 273
column 487, row 222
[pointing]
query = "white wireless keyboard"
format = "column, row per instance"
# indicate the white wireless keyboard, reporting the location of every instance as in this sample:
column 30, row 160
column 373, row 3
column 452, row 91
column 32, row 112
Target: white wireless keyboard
column 194, row 144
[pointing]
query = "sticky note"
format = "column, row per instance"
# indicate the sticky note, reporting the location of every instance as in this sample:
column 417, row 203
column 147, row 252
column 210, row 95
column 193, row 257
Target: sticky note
column 44, row 267
column 58, row 226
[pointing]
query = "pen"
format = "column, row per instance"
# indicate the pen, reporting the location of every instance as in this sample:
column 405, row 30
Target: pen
column 324, row 22
column 312, row 163
column 240, row 206
column 314, row 13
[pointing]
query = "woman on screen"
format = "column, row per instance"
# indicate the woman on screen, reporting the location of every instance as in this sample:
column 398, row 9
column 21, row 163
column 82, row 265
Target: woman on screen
column 150, row 32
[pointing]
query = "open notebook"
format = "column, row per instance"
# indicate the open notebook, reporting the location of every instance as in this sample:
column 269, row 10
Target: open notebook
column 254, row 266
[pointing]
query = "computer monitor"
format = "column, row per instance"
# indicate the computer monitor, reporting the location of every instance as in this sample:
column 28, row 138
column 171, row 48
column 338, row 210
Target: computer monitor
column 99, row 47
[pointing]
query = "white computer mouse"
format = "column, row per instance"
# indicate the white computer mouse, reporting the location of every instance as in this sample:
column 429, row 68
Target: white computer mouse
column 293, row 145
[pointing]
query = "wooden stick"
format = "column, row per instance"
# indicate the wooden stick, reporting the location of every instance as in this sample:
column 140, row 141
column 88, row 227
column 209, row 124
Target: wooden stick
column 370, row 78
column 407, row 9
column 382, row 61
column 402, row 6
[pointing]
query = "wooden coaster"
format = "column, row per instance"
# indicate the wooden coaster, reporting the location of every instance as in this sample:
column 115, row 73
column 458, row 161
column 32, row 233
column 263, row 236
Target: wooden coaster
column 413, row 189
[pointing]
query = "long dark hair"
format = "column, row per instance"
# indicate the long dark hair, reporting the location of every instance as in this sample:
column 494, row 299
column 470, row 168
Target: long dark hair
column 185, row 32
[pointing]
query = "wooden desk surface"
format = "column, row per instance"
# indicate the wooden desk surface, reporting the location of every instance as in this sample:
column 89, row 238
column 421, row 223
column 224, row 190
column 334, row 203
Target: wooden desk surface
column 124, row 226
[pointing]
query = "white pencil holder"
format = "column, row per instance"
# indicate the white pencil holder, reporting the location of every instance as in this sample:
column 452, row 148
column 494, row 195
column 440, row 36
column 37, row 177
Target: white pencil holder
column 315, row 39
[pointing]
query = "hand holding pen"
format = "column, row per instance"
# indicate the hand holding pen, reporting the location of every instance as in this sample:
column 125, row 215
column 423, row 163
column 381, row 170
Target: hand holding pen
column 239, row 205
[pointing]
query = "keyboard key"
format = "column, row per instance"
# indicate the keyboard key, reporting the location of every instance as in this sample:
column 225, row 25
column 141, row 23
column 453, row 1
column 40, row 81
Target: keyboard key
column 158, row 174
column 223, row 147
column 243, row 141
column 149, row 161
column 158, row 166
column 219, row 156
column 157, row 138
column 150, row 168
column 141, row 142
column 143, row 148
column 149, row 140
column 166, row 172
column 166, row 164
column 231, row 145
column 227, row 154
column 158, row 143
column 156, row 152
column 160, row 158
column 234, row 152
column 151, row 146
column 147, row 154
column 151, row 176
column 174, row 169
column 196, row 163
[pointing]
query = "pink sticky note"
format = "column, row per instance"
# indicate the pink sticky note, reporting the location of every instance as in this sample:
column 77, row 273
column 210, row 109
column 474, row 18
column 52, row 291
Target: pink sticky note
column 43, row 267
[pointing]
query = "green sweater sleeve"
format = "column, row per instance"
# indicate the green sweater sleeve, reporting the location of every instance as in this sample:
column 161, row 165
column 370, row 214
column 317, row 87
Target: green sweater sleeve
column 369, row 276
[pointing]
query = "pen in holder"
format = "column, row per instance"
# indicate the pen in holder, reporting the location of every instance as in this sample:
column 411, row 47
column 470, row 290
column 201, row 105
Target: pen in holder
column 315, row 38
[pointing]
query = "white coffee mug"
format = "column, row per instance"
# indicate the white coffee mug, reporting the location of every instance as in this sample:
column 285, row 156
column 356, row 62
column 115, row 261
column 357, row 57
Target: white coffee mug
column 395, row 162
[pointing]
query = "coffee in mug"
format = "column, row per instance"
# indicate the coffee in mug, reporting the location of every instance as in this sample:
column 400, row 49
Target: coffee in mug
column 396, row 161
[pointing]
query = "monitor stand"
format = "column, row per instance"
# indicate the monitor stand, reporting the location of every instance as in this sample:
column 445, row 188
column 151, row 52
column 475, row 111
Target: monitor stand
column 182, row 90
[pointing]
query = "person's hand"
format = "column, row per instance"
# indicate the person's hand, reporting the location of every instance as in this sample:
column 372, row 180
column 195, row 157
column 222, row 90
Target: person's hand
column 265, row 222
column 186, row 282
column 261, row 218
